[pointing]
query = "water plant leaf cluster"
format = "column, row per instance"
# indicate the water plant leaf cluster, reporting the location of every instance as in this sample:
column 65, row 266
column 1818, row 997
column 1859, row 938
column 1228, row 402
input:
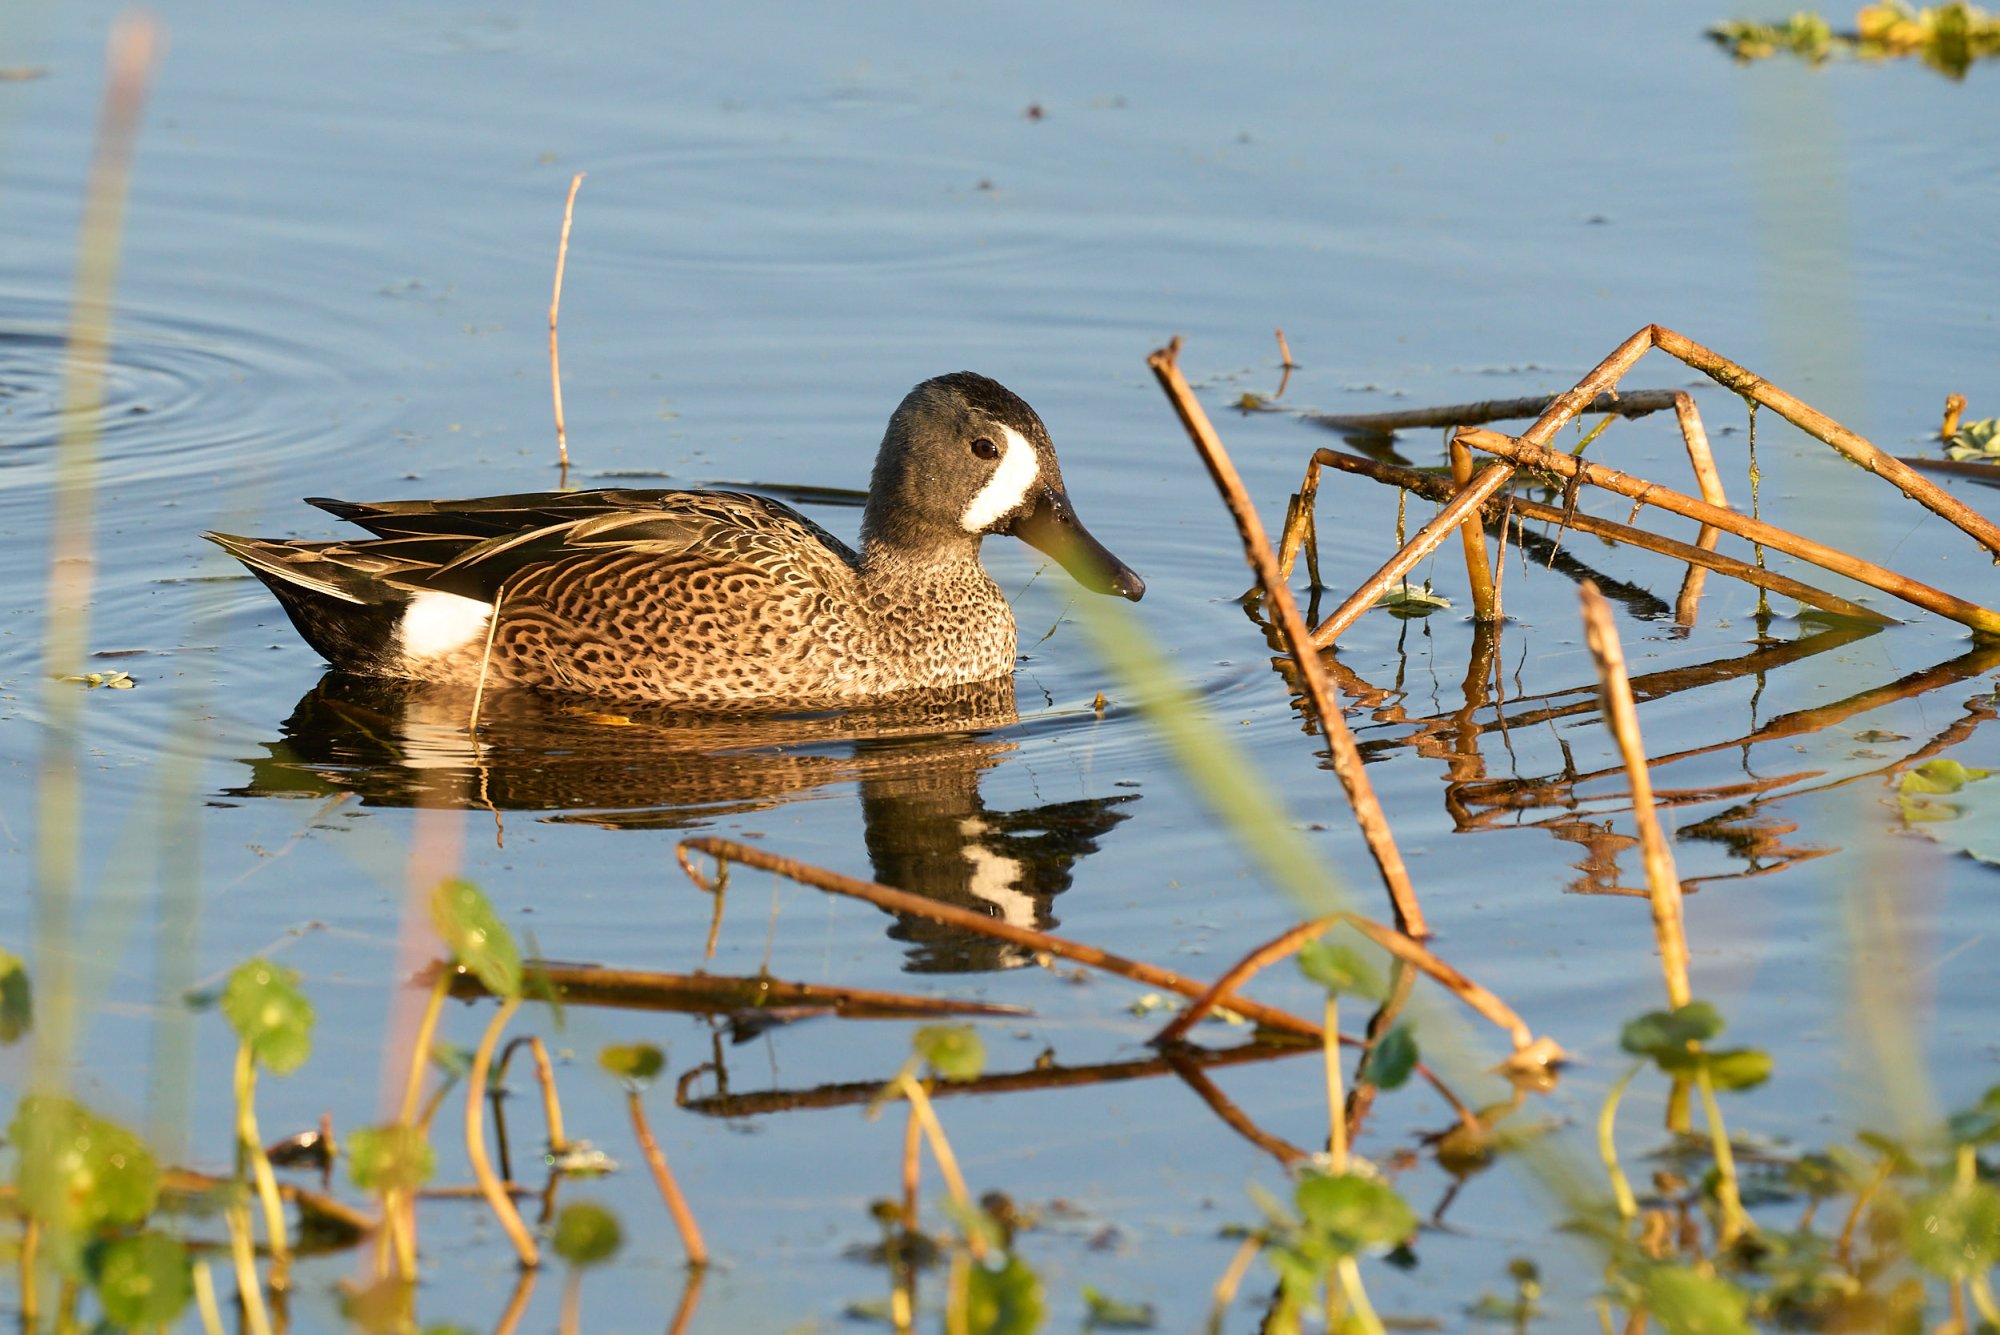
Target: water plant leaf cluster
column 1948, row 38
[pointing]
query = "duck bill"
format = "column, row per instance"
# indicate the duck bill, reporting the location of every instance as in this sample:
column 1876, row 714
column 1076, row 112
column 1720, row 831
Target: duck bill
column 1051, row 527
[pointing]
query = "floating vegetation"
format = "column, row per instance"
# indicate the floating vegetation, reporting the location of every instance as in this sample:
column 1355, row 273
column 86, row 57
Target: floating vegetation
column 1948, row 38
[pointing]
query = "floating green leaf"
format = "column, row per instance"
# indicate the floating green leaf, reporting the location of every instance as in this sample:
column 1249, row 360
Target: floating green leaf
column 78, row 1171
column 1940, row 776
column 1006, row 1301
column 587, row 1234
column 1687, row 1302
column 1340, row 970
column 1954, row 1232
column 392, row 1157
column 1348, row 1213
column 476, row 937
column 1102, row 1312
column 269, row 1014
column 634, row 1063
column 143, row 1281
column 1976, row 442
column 953, row 1051
column 17, row 999
column 1667, row 1036
column 1404, row 601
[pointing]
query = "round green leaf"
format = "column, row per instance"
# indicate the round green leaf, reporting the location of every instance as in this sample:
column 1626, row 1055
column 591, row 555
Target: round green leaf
column 143, row 1280
column 17, row 999
column 392, row 1157
column 1665, row 1035
column 1687, row 1302
column 476, row 937
column 1394, row 1058
column 269, row 1014
column 953, row 1051
column 634, row 1063
column 1954, row 1232
column 1007, row 1301
column 1340, row 970
column 1349, row 1213
column 587, row 1234
column 78, row 1171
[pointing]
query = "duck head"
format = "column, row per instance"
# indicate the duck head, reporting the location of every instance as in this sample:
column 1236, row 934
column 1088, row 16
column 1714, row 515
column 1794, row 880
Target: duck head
column 964, row 456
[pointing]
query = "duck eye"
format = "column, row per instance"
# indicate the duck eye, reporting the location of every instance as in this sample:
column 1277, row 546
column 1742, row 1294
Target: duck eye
column 985, row 448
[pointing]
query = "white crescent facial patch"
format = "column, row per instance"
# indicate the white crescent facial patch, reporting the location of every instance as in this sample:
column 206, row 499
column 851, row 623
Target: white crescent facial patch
column 1007, row 487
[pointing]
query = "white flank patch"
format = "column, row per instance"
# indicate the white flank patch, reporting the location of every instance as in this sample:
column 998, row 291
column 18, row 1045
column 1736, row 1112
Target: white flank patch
column 1009, row 484
column 436, row 623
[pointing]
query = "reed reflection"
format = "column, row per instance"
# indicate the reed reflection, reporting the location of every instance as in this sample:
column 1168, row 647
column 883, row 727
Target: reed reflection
column 917, row 763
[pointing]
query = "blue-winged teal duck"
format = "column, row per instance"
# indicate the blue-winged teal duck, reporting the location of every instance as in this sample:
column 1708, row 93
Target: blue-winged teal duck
column 705, row 597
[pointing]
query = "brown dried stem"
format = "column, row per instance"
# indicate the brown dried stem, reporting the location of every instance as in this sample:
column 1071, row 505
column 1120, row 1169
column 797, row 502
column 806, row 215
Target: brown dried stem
column 1635, row 403
column 898, row 901
column 545, row 1077
column 1623, row 714
column 1485, row 598
column 1526, row 454
column 1463, row 508
column 663, row 1178
column 1438, row 489
column 1529, row 1051
column 555, row 305
column 1817, row 424
column 1257, row 548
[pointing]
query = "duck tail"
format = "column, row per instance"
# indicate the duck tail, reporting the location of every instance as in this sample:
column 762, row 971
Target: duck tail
column 344, row 612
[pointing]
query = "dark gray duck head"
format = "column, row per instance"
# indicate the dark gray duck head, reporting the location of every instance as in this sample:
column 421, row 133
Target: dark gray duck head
column 965, row 456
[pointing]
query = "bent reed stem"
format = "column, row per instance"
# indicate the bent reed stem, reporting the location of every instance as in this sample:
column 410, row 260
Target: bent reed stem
column 1346, row 754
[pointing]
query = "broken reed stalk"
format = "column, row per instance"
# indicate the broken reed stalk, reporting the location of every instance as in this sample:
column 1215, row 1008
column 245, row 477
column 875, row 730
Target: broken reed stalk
column 1435, row 488
column 663, row 1178
column 717, row 994
column 1229, row 1114
column 899, row 901
column 1601, row 631
column 1817, row 424
column 1635, row 403
column 490, row 1185
column 1526, row 454
column 1462, row 508
column 1695, row 436
column 545, row 1077
column 1954, row 406
column 555, row 305
column 1529, row 1051
column 1257, row 548
column 1485, row 599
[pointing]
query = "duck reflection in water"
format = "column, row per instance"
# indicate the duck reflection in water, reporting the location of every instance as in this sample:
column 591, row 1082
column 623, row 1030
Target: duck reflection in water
column 917, row 760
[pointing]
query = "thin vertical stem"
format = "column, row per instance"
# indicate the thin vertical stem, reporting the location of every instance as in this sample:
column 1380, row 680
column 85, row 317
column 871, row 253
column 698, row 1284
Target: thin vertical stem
column 490, row 1186
column 555, row 306
column 1472, row 533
